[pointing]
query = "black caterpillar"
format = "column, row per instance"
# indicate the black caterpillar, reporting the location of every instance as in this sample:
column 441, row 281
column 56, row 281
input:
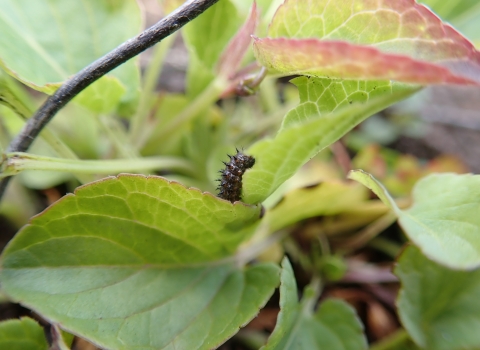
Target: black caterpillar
column 231, row 179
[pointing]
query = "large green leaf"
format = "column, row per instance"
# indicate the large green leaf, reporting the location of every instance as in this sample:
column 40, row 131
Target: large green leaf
column 439, row 307
column 333, row 326
column 147, row 307
column 309, row 128
column 45, row 42
column 136, row 261
column 327, row 198
column 138, row 220
column 443, row 220
column 23, row 334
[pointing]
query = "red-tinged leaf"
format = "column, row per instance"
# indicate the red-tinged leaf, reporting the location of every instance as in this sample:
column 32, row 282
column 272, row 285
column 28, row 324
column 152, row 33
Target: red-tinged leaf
column 393, row 26
column 233, row 54
column 348, row 61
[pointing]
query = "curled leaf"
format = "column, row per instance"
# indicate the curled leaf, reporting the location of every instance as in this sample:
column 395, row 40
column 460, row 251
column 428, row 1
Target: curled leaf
column 348, row 61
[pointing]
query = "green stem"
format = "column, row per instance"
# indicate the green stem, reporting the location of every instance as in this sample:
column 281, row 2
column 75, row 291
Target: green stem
column 197, row 106
column 269, row 95
column 297, row 255
column 271, row 10
column 16, row 162
column 393, row 341
column 3, row 136
column 63, row 151
column 371, row 231
column 139, row 121
column 255, row 247
column 271, row 121
column 118, row 136
column 251, row 339
column 311, row 294
column 51, row 138
column 386, row 246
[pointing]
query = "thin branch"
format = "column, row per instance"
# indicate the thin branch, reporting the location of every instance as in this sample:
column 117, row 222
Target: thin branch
column 73, row 86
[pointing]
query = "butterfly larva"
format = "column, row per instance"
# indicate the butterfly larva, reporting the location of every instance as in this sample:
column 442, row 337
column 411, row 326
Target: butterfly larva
column 231, row 179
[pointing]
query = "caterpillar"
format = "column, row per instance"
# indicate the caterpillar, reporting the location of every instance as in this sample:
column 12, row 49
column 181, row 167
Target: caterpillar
column 230, row 187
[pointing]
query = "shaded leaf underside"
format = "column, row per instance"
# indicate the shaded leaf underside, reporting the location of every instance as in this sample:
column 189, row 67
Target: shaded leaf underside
column 443, row 220
column 135, row 262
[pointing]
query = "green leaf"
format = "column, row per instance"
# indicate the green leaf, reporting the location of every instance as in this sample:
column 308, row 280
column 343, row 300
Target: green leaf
column 145, row 306
column 443, row 220
column 177, row 226
column 81, row 131
column 45, row 42
column 327, row 198
column 14, row 97
column 134, row 261
column 319, row 97
column 23, row 334
column 288, row 307
column 333, row 326
column 306, row 132
column 43, row 179
column 103, row 96
column 167, row 107
column 369, row 181
column 206, row 37
column 439, row 307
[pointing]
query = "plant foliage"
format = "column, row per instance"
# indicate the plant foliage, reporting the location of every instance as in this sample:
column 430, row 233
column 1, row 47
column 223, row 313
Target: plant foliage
column 132, row 261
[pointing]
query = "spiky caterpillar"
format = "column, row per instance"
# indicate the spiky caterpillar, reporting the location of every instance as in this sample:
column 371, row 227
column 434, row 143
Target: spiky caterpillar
column 231, row 179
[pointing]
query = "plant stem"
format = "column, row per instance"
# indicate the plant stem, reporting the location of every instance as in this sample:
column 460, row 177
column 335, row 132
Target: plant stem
column 269, row 95
column 197, row 106
column 74, row 85
column 17, row 162
column 392, row 341
column 58, row 343
column 139, row 120
column 311, row 294
column 21, row 110
column 386, row 246
column 254, row 248
column 62, row 150
column 116, row 133
column 271, row 121
column 371, row 231
column 251, row 339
